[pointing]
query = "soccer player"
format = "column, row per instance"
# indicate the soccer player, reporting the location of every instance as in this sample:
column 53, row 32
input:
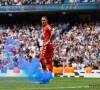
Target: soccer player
column 47, row 49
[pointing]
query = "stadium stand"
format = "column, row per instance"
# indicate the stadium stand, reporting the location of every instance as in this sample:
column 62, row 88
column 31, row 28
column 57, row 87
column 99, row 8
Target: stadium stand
column 77, row 43
column 32, row 2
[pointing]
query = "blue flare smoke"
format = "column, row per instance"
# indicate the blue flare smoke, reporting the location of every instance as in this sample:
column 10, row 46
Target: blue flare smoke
column 31, row 69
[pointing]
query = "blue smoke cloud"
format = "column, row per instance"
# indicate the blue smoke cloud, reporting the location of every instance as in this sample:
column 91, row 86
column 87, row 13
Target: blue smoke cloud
column 31, row 69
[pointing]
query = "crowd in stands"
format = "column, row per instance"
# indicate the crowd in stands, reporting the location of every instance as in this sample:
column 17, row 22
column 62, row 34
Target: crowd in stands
column 81, row 1
column 28, row 2
column 77, row 45
column 32, row 2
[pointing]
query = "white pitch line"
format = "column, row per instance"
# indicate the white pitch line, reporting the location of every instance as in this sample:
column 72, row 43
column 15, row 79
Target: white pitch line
column 48, row 88
column 63, row 87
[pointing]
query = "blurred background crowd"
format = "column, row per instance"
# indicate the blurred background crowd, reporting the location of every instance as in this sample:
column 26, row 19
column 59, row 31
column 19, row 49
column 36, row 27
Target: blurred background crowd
column 32, row 2
column 77, row 45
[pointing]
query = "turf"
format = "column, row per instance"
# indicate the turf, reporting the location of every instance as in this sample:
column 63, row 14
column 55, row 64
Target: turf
column 57, row 83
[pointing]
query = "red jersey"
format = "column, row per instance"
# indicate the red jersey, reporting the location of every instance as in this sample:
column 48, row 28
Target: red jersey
column 47, row 33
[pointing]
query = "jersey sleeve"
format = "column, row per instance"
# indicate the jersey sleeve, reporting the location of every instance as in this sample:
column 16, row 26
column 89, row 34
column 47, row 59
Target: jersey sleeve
column 49, row 28
column 47, row 33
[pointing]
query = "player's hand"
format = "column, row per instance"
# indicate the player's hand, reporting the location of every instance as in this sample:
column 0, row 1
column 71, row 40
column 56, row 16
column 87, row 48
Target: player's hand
column 46, row 43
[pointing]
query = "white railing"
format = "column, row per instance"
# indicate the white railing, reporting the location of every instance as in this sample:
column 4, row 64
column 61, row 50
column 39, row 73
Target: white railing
column 77, row 73
column 82, row 73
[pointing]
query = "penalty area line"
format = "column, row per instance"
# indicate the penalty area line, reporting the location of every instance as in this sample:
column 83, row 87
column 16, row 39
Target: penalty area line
column 49, row 88
column 63, row 87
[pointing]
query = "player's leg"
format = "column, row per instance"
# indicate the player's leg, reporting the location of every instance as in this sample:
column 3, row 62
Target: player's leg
column 50, row 66
column 43, row 62
column 49, row 57
column 43, row 58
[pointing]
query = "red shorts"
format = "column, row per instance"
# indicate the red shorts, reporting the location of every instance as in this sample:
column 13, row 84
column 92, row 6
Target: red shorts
column 47, row 51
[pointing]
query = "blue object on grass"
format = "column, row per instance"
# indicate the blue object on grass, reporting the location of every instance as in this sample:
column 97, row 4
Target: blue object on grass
column 31, row 69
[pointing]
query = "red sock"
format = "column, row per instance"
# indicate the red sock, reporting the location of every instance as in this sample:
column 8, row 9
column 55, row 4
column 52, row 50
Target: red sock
column 50, row 66
column 43, row 63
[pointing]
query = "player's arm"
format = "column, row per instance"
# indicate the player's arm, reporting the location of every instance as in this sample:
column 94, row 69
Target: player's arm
column 52, row 35
column 53, row 32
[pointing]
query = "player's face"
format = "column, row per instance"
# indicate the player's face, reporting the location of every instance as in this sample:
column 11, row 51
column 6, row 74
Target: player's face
column 44, row 21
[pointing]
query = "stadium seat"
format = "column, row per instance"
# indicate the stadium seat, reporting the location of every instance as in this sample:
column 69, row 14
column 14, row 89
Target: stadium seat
column 4, row 70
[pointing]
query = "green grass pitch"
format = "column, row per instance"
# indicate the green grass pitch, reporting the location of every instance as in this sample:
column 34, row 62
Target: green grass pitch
column 58, row 83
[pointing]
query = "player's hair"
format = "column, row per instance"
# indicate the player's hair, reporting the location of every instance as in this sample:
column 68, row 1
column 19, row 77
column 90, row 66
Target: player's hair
column 45, row 17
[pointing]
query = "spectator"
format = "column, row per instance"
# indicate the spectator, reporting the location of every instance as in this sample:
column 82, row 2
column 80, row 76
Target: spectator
column 71, row 69
column 66, row 69
column 0, row 3
column 95, row 67
column 82, row 66
column 16, row 70
column 55, row 70
column 60, row 70
column 18, row 2
column 13, row 3
column 89, row 69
